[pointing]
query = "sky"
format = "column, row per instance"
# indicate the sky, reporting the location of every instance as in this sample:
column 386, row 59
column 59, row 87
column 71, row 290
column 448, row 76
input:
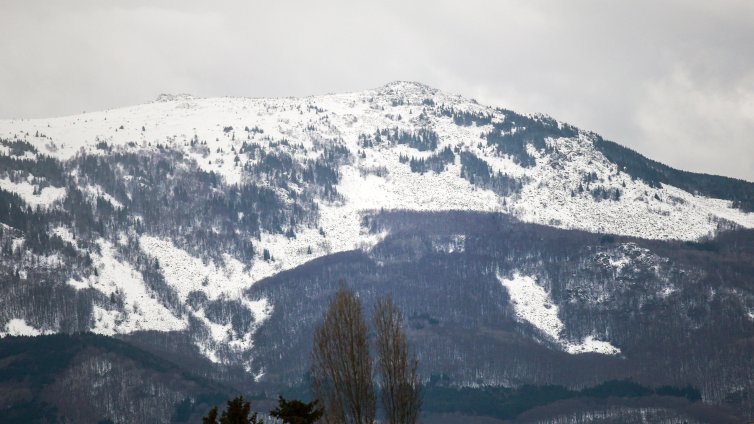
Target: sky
column 672, row 79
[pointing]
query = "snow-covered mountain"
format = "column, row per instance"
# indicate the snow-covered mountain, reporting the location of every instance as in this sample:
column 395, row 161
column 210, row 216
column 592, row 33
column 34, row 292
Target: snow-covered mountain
column 559, row 168
column 187, row 215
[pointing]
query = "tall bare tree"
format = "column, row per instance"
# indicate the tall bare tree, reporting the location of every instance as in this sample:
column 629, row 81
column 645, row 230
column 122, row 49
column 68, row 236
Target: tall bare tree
column 341, row 365
column 398, row 369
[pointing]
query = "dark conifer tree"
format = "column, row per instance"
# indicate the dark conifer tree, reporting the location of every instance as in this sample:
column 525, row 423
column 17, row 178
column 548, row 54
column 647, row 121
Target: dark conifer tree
column 297, row 412
column 237, row 412
column 211, row 417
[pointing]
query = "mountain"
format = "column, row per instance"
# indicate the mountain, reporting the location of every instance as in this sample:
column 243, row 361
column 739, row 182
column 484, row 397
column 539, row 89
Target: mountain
column 523, row 250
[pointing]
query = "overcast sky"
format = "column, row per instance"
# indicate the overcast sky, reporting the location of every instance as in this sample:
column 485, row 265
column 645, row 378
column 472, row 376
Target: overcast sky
column 671, row 79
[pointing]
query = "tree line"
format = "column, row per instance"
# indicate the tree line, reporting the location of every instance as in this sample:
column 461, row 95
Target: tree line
column 342, row 371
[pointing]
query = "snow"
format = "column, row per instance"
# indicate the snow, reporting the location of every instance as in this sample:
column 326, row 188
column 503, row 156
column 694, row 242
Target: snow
column 186, row 273
column 142, row 311
column 65, row 234
column 19, row 327
column 78, row 284
column 95, row 191
column 17, row 243
column 28, row 259
column 6, row 151
column 452, row 244
column 533, row 305
column 624, row 260
column 546, row 198
column 341, row 221
column 666, row 291
column 45, row 198
column 619, row 263
column 625, row 254
column 228, row 281
column 590, row 344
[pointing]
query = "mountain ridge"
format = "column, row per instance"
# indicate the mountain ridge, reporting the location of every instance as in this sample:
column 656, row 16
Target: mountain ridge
column 394, row 94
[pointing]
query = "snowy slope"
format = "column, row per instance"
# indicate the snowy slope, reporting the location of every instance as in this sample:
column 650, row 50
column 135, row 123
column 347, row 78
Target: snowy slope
column 533, row 305
column 546, row 198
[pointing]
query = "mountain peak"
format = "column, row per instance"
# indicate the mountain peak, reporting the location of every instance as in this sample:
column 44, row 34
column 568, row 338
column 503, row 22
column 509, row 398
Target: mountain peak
column 407, row 87
column 167, row 97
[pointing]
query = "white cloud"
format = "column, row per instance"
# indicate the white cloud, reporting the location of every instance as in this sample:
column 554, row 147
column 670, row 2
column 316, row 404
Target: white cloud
column 699, row 124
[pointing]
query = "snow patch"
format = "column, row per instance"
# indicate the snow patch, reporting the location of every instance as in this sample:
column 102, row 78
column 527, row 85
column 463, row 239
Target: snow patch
column 95, row 191
column 79, row 284
column 17, row 243
column 532, row 304
column 620, row 262
column 228, row 281
column 65, row 234
column 666, row 291
column 627, row 256
column 141, row 310
column 452, row 244
column 186, row 273
column 590, row 344
column 32, row 195
column 19, row 327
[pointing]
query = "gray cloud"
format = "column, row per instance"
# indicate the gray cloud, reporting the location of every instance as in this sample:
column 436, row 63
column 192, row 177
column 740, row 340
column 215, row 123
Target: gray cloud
column 673, row 79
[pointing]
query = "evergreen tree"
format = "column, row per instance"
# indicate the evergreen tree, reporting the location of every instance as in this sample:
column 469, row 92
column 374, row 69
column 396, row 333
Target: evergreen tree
column 297, row 412
column 237, row 412
column 211, row 417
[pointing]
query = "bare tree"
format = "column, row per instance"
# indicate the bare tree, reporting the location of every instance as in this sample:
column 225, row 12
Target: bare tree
column 398, row 369
column 341, row 365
